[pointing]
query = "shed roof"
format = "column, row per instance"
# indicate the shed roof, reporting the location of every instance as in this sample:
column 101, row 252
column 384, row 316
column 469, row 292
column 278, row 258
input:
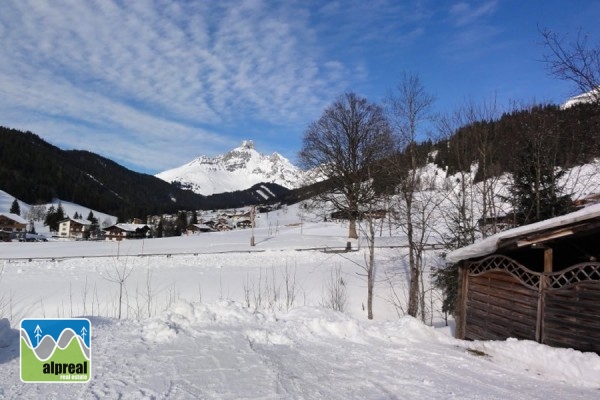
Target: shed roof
column 490, row 244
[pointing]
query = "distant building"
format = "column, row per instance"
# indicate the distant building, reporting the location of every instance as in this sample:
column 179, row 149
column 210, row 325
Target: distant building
column 198, row 228
column 74, row 228
column 126, row 231
column 11, row 226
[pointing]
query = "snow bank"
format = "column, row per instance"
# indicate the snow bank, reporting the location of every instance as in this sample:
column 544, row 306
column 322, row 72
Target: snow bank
column 564, row 365
column 306, row 325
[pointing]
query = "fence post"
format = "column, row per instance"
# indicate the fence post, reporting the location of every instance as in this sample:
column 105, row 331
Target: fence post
column 461, row 320
column 539, row 328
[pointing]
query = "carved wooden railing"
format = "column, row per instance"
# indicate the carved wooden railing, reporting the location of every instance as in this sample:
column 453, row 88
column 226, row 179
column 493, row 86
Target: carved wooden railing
column 505, row 264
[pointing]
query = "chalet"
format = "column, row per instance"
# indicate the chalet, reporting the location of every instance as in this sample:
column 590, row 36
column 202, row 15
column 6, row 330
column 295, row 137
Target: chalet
column 537, row 282
column 359, row 215
column 243, row 223
column 11, row 226
column 498, row 223
column 222, row 225
column 74, row 228
column 126, row 231
column 193, row 229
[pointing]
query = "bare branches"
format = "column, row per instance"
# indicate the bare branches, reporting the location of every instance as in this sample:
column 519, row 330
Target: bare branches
column 577, row 62
column 119, row 275
column 408, row 108
column 346, row 146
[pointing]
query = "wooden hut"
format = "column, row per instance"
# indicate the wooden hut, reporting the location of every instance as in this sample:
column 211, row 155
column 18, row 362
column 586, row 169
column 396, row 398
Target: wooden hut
column 538, row 282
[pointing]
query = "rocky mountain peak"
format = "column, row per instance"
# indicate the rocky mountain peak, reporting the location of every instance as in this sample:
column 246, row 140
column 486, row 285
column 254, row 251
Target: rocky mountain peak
column 247, row 144
column 237, row 169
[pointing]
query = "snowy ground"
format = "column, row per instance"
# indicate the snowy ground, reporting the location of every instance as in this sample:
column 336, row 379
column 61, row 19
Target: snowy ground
column 221, row 350
column 208, row 316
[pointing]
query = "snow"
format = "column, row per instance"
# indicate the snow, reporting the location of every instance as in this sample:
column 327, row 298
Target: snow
column 239, row 169
column 490, row 244
column 588, row 97
column 220, row 350
column 208, row 316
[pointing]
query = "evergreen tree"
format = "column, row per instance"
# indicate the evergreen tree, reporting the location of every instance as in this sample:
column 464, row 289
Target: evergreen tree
column 180, row 223
column 60, row 213
column 91, row 218
column 76, row 215
column 446, row 279
column 31, row 226
column 159, row 229
column 52, row 219
column 14, row 208
column 535, row 191
column 194, row 219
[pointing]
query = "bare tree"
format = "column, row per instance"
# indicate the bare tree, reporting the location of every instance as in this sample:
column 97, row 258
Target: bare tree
column 119, row 275
column 37, row 212
column 335, row 296
column 409, row 106
column 346, row 146
column 367, row 227
column 578, row 62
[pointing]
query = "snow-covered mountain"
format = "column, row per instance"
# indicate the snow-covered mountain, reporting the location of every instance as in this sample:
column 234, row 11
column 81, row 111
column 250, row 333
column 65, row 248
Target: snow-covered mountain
column 588, row 97
column 238, row 169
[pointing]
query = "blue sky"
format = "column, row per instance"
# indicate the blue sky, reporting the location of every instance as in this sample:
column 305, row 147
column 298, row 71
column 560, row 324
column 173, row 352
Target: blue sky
column 153, row 84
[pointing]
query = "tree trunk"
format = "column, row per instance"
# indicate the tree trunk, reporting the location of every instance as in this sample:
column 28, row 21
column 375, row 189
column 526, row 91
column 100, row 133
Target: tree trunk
column 413, row 291
column 352, row 229
column 371, row 269
column 370, row 284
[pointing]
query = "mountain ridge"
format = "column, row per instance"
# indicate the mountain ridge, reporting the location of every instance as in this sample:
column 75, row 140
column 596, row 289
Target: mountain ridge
column 35, row 171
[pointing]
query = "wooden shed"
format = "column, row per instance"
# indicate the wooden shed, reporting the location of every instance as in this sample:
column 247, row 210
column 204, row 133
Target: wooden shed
column 537, row 282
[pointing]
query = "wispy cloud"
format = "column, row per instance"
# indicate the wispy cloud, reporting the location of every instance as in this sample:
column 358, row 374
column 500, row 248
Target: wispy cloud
column 465, row 13
column 154, row 83
column 162, row 69
column 473, row 33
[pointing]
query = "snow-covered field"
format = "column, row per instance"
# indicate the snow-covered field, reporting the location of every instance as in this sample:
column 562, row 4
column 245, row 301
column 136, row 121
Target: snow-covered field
column 209, row 316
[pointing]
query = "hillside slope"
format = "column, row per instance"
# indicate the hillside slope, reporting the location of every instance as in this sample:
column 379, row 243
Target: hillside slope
column 35, row 171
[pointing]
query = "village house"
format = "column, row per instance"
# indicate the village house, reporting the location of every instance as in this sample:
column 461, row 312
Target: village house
column 11, row 226
column 497, row 223
column 536, row 282
column 243, row 223
column 193, row 229
column 74, row 228
column 126, row 231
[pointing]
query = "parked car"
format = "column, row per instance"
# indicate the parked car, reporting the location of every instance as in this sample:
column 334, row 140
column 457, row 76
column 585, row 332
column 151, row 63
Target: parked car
column 32, row 237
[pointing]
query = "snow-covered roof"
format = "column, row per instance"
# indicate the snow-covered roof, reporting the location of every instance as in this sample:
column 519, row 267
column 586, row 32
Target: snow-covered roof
column 78, row 221
column 14, row 217
column 202, row 226
column 490, row 244
column 129, row 227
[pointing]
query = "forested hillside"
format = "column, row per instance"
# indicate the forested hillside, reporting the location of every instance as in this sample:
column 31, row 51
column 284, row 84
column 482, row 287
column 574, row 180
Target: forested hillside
column 563, row 137
column 36, row 171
